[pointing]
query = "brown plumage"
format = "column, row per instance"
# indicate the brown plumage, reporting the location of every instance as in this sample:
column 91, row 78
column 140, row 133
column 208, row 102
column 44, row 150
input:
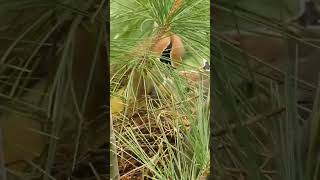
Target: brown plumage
column 176, row 51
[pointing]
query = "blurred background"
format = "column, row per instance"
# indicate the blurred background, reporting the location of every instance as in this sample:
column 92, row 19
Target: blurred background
column 265, row 62
column 53, row 76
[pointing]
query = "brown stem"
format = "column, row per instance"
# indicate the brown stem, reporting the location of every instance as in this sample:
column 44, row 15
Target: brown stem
column 251, row 121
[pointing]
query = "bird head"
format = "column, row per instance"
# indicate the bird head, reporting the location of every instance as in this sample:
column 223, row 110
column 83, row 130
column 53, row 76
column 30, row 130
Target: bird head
column 170, row 49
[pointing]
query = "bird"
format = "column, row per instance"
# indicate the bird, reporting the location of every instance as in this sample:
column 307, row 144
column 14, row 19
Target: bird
column 170, row 49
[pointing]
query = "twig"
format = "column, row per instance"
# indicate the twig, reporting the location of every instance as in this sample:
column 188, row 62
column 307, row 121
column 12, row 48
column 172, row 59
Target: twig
column 3, row 175
column 114, row 169
column 251, row 121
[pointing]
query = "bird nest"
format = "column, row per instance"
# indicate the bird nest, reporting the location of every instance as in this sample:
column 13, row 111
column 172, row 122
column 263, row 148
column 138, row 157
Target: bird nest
column 152, row 134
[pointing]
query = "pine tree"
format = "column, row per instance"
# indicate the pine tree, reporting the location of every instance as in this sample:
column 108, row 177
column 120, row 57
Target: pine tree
column 160, row 118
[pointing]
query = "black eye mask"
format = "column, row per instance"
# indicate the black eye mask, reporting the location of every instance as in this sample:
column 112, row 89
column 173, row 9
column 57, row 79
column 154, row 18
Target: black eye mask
column 166, row 55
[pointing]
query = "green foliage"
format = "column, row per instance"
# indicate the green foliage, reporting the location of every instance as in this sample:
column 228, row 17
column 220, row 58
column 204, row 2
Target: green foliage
column 165, row 133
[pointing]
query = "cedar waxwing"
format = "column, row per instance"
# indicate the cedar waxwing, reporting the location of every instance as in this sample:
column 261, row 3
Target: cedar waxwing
column 170, row 49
